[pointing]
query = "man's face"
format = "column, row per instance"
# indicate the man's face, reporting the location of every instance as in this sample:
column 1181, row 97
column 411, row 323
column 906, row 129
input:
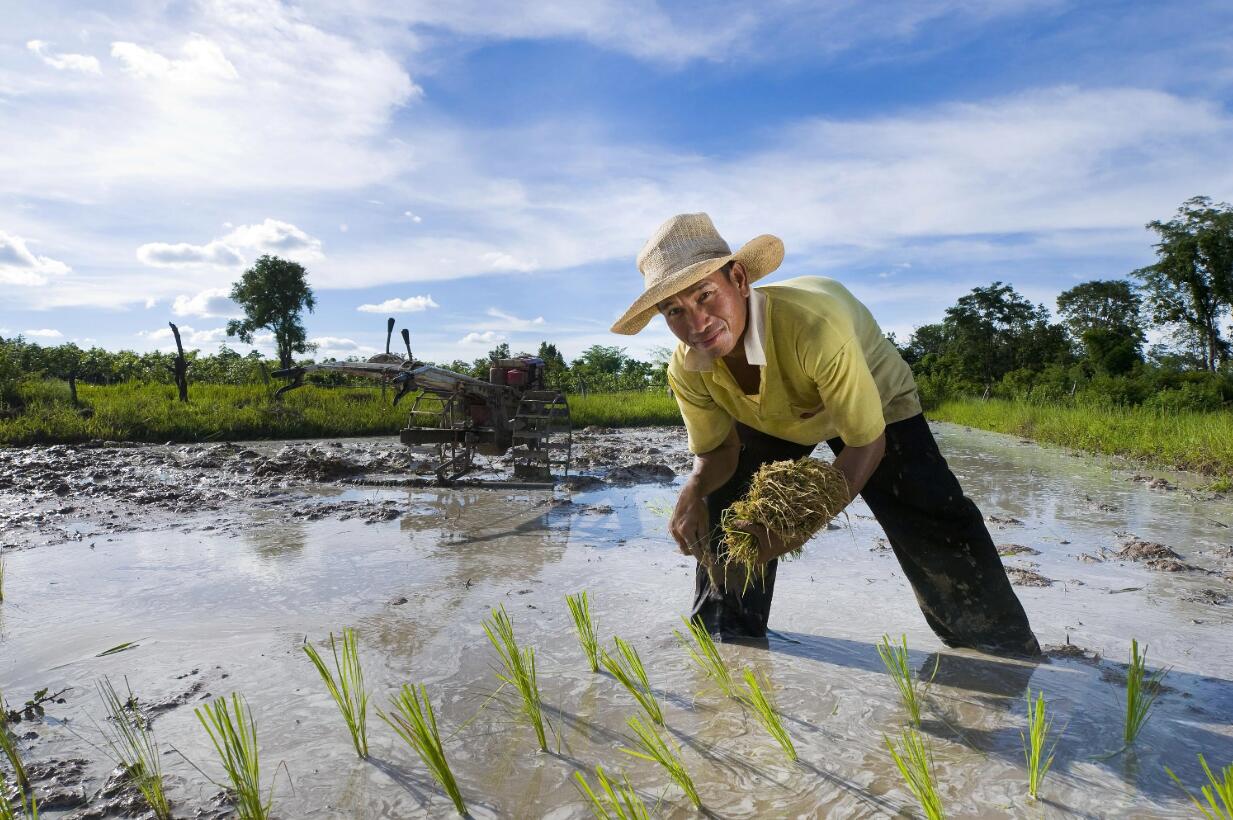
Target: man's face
column 711, row 314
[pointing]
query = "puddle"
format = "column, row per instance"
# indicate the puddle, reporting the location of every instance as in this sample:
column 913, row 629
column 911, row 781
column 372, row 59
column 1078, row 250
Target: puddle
column 222, row 600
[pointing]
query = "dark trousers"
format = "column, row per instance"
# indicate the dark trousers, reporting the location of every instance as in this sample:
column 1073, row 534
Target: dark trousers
column 937, row 533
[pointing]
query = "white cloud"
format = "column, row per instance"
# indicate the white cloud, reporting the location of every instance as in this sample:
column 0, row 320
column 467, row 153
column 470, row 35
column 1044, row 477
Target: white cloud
column 412, row 216
column 277, row 237
column 189, row 336
column 150, row 303
column 184, row 254
column 487, row 337
column 498, row 261
column 20, row 266
column 44, row 333
column 209, row 303
column 412, row 304
column 338, row 347
column 511, row 322
column 203, row 68
column 64, row 62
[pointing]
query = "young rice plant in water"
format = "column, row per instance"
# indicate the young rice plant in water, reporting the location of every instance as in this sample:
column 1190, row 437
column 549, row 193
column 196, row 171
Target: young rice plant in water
column 27, row 809
column 613, row 801
column 1218, row 793
column 764, row 709
column 8, row 744
column 346, row 686
column 915, row 763
column 1038, row 762
column 132, row 748
column 584, row 625
column 706, row 656
column 895, row 658
column 1142, row 690
column 627, row 668
column 415, row 722
column 234, row 736
column 519, row 671
column 652, row 746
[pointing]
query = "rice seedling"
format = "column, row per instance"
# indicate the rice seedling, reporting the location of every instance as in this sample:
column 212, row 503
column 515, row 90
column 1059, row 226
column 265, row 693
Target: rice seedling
column 346, row 686
column 1142, row 690
column 415, row 722
column 627, row 668
column 652, row 746
column 895, row 659
column 519, row 663
column 1038, row 762
column 614, row 801
column 706, row 656
column 28, row 807
column 584, row 626
column 792, row 498
column 8, row 745
column 1218, row 792
column 763, row 706
column 915, row 763
column 1, row 577
column 132, row 747
column 234, row 735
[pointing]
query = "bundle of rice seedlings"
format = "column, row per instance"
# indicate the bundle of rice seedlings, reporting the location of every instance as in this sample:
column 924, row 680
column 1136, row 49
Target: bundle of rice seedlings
column 346, row 686
column 1038, row 762
column 615, row 801
column 1217, row 789
column 793, row 498
column 915, row 763
column 584, row 626
column 1141, row 692
column 652, row 746
column 234, row 735
column 627, row 668
column 519, row 671
column 8, row 745
column 761, row 702
column 130, row 742
column 415, row 722
column 706, row 656
column 895, row 659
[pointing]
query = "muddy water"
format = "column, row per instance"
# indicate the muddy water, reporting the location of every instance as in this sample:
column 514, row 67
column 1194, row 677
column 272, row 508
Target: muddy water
column 220, row 593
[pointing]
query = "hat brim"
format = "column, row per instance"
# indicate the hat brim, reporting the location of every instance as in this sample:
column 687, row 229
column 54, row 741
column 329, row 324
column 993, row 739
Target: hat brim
column 760, row 256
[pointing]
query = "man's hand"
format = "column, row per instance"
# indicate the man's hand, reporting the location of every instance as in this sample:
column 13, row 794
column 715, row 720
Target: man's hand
column 771, row 544
column 690, row 527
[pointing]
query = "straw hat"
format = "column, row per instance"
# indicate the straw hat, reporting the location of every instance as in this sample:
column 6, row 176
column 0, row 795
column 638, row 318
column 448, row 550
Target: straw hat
column 685, row 250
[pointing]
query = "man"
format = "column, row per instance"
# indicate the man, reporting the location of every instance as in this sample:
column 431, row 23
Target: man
column 766, row 374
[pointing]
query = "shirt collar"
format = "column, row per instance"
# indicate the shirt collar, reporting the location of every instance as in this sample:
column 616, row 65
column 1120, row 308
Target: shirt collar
column 755, row 337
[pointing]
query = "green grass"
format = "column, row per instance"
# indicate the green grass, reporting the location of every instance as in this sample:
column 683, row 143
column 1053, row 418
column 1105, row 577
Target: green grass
column 8, row 745
column 234, row 735
column 415, row 722
column 584, row 627
column 613, row 801
column 1142, row 690
column 519, row 671
column 627, row 668
column 763, row 706
column 28, row 807
column 346, row 686
column 652, row 746
column 132, row 747
column 136, row 411
column 895, row 659
column 915, row 763
column 1218, row 793
column 1038, row 762
column 706, row 657
column 1187, row 440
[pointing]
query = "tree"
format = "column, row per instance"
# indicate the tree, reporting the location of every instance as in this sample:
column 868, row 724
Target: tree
column 272, row 293
column 1104, row 317
column 994, row 330
column 555, row 368
column 1191, row 284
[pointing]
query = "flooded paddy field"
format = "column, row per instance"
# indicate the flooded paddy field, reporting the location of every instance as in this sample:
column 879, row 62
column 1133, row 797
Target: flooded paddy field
column 216, row 563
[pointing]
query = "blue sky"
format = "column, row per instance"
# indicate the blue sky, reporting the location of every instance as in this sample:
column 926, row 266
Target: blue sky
column 487, row 172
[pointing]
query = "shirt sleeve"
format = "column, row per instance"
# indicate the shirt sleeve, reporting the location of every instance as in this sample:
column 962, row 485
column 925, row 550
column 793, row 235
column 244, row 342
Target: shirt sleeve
column 705, row 421
column 850, row 395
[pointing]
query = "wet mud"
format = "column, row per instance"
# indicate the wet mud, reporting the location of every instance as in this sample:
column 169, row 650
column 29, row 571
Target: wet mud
column 206, row 568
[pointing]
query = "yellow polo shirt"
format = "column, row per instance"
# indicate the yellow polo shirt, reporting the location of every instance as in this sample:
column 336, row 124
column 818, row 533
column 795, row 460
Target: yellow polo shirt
column 827, row 371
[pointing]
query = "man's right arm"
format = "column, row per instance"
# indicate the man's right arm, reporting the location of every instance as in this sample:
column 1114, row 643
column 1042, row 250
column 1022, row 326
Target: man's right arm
column 690, row 524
